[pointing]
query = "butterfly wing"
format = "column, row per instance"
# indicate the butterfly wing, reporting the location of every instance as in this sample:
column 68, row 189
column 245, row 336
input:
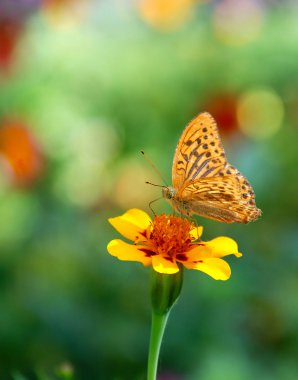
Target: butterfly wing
column 205, row 182
column 199, row 152
column 221, row 198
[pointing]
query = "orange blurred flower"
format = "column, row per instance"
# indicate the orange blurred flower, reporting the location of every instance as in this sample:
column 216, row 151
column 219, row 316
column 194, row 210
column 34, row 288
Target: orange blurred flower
column 10, row 34
column 19, row 153
column 223, row 107
column 65, row 13
column 165, row 14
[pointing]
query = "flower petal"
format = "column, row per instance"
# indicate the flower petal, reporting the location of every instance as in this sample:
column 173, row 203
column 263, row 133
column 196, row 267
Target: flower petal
column 131, row 223
column 128, row 252
column 214, row 267
column 223, row 246
column 162, row 265
column 196, row 232
column 199, row 252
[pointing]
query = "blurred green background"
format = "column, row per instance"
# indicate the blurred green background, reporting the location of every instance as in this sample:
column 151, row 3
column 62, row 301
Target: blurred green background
column 84, row 86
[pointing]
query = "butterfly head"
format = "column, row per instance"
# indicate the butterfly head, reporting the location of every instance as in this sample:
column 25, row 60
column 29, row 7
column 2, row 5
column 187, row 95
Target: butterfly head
column 168, row 193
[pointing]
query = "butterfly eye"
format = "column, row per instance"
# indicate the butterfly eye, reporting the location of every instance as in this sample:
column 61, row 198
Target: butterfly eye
column 166, row 193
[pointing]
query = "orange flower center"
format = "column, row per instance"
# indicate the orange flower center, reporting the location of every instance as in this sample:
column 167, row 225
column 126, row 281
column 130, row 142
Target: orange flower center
column 169, row 236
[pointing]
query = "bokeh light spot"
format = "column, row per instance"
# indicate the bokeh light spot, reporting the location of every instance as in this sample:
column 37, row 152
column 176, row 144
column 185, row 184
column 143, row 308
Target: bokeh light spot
column 237, row 22
column 64, row 14
column 130, row 188
column 260, row 113
column 91, row 146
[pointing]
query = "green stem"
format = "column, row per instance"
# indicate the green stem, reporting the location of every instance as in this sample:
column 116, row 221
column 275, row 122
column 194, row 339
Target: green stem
column 165, row 290
column 158, row 325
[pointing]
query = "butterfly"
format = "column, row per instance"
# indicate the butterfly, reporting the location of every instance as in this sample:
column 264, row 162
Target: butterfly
column 204, row 183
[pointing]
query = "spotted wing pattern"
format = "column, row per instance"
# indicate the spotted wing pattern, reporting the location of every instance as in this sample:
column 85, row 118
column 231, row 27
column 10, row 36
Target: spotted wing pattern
column 199, row 152
column 221, row 198
column 205, row 183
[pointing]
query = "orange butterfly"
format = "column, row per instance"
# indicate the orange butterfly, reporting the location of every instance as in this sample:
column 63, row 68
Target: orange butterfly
column 204, row 183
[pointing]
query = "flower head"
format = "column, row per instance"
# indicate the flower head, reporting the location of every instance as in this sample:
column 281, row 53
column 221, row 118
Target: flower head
column 168, row 241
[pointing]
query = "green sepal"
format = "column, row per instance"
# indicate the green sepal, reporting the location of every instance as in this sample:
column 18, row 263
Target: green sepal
column 165, row 290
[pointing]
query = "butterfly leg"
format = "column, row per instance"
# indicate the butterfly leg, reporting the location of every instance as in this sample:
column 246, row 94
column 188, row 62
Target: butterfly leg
column 174, row 211
column 193, row 221
column 150, row 206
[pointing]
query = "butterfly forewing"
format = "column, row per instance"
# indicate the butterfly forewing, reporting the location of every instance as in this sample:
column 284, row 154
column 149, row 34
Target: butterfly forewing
column 204, row 182
column 199, row 152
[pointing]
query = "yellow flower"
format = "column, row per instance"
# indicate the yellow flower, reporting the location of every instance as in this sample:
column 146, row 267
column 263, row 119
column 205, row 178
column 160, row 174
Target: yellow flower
column 168, row 241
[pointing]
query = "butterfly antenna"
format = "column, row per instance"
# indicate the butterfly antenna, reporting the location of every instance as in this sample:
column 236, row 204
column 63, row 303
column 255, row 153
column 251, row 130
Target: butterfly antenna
column 157, row 199
column 153, row 184
column 154, row 168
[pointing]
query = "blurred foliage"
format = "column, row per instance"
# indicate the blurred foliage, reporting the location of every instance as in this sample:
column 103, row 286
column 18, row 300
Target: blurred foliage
column 91, row 83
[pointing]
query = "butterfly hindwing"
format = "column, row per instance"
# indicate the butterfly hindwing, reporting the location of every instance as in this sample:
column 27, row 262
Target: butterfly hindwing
column 220, row 198
column 224, row 189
